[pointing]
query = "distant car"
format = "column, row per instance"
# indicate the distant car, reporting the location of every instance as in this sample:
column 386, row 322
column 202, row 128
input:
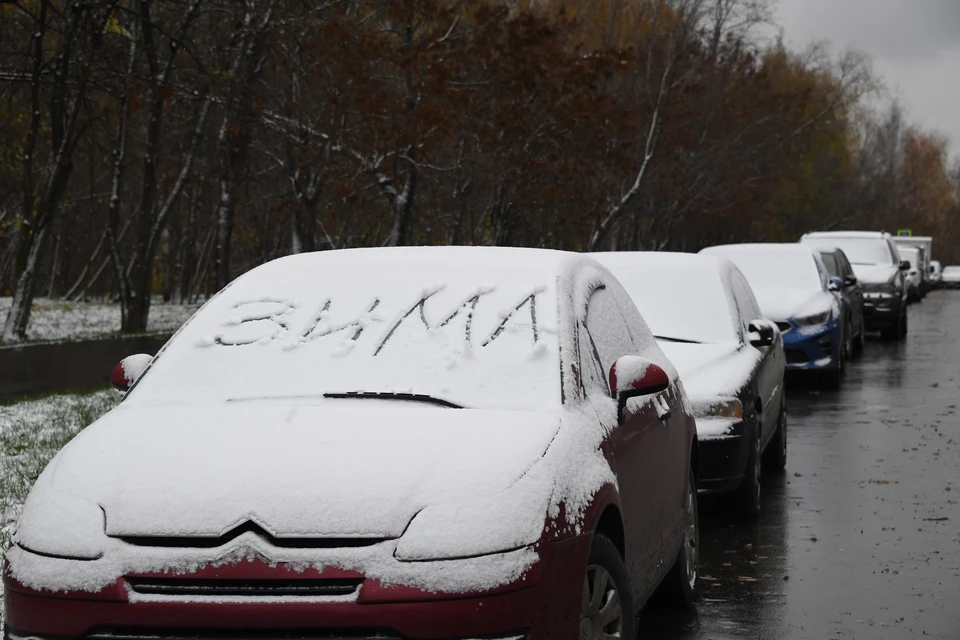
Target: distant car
column 950, row 278
column 913, row 276
column 730, row 358
column 790, row 283
column 845, row 282
column 936, row 272
column 439, row 442
column 925, row 245
column 877, row 264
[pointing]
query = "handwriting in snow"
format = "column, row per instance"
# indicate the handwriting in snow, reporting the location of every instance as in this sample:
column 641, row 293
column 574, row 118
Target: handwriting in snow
column 275, row 322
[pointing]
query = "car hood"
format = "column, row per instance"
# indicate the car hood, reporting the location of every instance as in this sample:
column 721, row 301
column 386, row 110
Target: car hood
column 875, row 273
column 348, row 469
column 779, row 305
column 711, row 371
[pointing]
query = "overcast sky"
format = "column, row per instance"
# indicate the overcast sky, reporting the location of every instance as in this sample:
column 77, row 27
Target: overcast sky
column 915, row 46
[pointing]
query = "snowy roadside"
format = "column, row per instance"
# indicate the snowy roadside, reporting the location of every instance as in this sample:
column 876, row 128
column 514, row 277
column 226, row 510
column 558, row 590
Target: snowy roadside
column 59, row 320
column 31, row 433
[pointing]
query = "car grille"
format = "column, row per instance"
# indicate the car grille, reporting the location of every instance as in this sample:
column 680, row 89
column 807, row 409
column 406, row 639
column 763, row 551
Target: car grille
column 154, row 633
column 250, row 527
column 177, row 587
column 795, row 356
column 784, row 327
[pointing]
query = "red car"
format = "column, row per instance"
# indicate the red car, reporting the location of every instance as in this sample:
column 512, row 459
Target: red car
column 387, row 443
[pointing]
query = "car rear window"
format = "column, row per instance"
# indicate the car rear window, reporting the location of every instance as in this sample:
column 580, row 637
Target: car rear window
column 858, row 250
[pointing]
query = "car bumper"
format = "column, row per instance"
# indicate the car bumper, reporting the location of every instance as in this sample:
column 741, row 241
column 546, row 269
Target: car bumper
column 543, row 604
column 723, row 453
column 812, row 348
column 880, row 312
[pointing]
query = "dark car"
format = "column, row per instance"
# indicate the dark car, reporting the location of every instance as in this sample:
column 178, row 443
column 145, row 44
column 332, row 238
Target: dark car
column 846, row 284
column 416, row 443
column 877, row 264
column 731, row 360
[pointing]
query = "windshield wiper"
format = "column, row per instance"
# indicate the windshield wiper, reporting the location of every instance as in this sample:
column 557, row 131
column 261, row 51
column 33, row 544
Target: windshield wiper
column 677, row 340
column 387, row 395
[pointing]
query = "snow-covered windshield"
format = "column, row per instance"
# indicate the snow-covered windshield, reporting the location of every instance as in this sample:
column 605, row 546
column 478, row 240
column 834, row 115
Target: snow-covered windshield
column 315, row 327
column 680, row 297
column 771, row 266
column 858, row 250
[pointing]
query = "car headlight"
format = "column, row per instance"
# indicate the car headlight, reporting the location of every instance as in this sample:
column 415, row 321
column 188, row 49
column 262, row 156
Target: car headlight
column 730, row 408
column 818, row 318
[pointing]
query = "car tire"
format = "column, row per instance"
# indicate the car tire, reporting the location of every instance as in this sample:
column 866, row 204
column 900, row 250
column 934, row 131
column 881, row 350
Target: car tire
column 606, row 603
column 898, row 331
column 833, row 378
column 746, row 497
column 679, row 587
column 775, row 456
column 861, row 342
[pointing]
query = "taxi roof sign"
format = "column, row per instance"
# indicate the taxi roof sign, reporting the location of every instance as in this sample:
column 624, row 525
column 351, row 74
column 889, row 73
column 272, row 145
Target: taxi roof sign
column 904, row 233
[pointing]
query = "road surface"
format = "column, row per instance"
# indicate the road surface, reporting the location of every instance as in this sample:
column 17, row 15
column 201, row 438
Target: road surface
column 860, row 538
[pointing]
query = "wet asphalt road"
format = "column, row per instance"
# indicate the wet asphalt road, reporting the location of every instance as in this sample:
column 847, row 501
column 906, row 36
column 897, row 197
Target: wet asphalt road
column 860, row 538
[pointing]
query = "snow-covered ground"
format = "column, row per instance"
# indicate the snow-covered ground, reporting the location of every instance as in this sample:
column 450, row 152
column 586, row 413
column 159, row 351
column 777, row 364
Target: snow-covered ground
column 59, row 320
column 31, row 433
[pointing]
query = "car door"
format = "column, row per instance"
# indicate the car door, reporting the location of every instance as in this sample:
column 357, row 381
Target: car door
column 769, row 374
column 853, row 292
column 638, row 448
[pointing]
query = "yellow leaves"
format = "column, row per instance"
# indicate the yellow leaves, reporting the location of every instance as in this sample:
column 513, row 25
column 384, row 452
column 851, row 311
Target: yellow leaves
column 114, row 27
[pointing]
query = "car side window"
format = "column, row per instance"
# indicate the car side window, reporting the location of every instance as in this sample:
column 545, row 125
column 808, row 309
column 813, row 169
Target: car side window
column 747, row 305
column 845, row 269
column 606, row 337
column 830, row 261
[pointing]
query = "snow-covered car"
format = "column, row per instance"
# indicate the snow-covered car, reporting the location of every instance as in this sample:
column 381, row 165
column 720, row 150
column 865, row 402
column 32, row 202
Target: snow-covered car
column 913, row 276
column 439, row 442
column 790, row 283
column 877, row 265
column 936, row 272
column 707, row 321
column 950, row 279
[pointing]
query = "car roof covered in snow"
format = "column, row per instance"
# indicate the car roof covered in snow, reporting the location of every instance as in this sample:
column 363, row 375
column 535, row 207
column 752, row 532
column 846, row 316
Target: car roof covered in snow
column 847, row 234
column 681, row 295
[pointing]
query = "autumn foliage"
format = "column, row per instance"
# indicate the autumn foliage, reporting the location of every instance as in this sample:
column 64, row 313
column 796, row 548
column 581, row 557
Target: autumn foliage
column 197, row 139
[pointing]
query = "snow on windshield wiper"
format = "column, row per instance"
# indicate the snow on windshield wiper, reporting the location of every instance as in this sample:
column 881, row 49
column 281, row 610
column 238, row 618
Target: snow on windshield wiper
column 387, row 395
column 678, row 340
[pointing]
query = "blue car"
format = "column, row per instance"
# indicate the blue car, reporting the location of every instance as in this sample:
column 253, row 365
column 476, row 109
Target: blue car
column 793, row 290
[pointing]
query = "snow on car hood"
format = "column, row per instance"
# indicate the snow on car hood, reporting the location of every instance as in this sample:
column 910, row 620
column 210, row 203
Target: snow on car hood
column 875, row 273
column 710, row 371
column 474, row 489
column 301, row 471
column 781, row 304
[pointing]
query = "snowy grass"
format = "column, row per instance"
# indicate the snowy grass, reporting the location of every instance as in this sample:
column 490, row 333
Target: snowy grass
column 52, row 320
column 31, row 433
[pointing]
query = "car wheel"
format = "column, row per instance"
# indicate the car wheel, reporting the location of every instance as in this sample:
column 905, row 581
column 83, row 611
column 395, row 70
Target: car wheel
column 746, row 498
column 680, row 586
column 861, row 340
column 775, row 457
column 606, row 606
column 833, row 378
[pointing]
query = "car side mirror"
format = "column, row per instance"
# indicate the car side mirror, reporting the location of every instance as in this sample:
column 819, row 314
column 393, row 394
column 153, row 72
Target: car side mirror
column 850, row 281
column 129, row 370
column 633, row 377
column 763, row 333
column 904, row 265
column 835, row 284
